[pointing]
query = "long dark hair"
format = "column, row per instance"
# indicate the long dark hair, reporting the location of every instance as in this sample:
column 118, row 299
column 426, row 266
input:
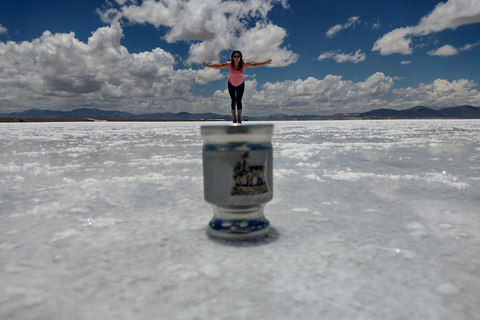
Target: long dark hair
column 240, row 64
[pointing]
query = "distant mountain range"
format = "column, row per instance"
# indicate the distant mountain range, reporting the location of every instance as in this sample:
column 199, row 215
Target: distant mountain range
column 424, row 112
column 462, row 112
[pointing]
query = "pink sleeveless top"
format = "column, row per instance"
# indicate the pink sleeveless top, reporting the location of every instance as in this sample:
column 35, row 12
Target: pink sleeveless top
column 236, row 76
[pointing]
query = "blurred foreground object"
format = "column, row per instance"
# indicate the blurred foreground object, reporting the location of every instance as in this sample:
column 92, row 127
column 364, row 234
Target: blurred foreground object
column 238, row 178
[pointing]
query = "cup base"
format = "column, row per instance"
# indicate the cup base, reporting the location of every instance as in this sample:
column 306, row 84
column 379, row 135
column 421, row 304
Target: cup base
column 238, row 223
column 238, row 229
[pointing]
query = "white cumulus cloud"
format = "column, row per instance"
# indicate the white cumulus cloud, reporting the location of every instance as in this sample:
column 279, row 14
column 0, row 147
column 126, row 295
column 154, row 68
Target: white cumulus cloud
column 396, row 41
column 339, row 27
column 206, row 75
column 331, row 94
column 356, row 57
column 3, row 30
column 446, row 15
column 213, row 26
column 59, row 70
column 448, row 50
column 265, row 41
column 440, row 93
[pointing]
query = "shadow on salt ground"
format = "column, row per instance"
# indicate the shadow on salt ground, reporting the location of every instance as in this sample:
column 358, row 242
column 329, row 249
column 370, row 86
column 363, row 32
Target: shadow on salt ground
column 270, row 237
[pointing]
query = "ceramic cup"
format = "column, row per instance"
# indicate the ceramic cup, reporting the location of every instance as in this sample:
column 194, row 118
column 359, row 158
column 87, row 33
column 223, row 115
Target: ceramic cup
column 238, row 178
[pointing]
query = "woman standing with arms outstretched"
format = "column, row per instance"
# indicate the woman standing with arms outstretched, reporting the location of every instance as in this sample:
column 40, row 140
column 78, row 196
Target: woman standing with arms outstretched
column 236, row 82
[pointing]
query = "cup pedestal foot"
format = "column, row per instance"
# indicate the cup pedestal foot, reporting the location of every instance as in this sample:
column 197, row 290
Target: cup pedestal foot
column 238, row 223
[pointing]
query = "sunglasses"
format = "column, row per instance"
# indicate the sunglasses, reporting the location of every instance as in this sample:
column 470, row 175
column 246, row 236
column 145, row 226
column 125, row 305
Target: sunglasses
column 236, row 56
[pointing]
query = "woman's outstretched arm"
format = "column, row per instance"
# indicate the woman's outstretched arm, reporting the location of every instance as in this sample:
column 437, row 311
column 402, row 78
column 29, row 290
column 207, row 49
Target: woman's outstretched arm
column 215, row 65
column 258, row 64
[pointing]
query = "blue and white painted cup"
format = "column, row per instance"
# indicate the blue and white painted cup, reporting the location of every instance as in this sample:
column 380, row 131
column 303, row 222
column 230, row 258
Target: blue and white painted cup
column 238, row 178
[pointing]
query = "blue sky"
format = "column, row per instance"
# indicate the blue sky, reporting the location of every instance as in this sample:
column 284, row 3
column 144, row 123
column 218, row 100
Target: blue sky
column 328, row 56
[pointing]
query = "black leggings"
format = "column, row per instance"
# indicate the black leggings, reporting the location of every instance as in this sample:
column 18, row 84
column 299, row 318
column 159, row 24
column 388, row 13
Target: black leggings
column 236, row 94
